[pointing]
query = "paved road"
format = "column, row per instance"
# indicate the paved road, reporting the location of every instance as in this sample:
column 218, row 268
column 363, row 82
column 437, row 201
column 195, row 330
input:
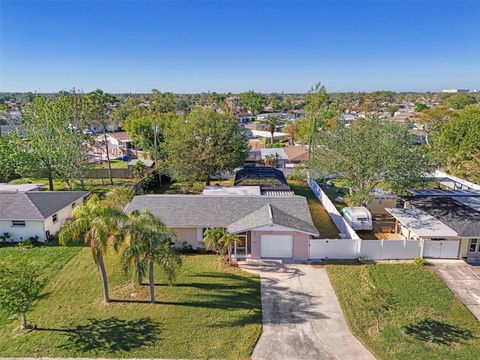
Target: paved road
column 464, row 281
column 302, row 319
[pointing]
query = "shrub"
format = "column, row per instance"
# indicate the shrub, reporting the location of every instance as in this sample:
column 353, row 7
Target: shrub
column 185, row 247
column 5, row 237
column 31, row 242
column 420, row 261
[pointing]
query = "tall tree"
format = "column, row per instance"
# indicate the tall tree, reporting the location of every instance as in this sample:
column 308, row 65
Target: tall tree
column 97, row 225
column 316, row 100
column 432, row 119
column 96, row 113
column 252, row 101
column 457, row 141
column 144, row 242
column 203, row 144
column 368, row 152
column 52, row 146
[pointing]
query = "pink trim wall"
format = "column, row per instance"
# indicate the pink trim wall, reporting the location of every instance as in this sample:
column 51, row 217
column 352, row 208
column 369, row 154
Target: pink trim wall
column 300, row 243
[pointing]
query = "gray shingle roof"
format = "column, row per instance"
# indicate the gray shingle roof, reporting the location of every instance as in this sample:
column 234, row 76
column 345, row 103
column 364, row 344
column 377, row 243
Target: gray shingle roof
column 179, row 211
column 459, row 217
column 270, row 215
column 36, row 205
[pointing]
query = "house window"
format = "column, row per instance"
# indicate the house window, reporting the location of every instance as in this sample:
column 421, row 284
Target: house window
column 18, row 222
column 473, row 245
column 54, row 218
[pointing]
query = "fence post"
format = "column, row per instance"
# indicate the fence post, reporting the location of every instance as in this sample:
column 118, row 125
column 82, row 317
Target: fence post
column 359, row 248
column 422, row 246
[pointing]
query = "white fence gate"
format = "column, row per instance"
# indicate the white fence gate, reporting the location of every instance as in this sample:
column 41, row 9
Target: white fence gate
column 445, row 249
column 333, row 249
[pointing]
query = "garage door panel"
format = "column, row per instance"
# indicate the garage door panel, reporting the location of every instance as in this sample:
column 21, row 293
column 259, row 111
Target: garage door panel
column 276, row 246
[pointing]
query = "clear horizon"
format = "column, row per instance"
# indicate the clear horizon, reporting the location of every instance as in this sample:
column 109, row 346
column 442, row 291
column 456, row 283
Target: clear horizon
column 230, row 46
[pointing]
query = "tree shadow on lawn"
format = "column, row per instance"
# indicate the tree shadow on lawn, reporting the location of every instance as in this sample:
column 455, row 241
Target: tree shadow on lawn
column 110, row 335
column 439, row 333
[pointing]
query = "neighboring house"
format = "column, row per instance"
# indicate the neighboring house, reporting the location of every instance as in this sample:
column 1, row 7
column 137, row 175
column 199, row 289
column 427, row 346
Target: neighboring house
column 119, row 145
column 268, row 226
column 36, row 213
column 442, row 218
column 296, row 153
column 288, row 156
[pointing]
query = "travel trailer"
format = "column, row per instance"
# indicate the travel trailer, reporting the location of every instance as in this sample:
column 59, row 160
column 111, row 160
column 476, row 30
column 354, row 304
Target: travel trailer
column 359, row 218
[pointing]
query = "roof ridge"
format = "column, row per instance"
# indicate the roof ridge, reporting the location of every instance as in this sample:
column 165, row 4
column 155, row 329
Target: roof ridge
column 33, row 204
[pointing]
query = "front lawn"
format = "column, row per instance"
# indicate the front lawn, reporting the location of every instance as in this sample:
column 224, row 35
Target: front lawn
column 48, row 259
column 325, row 226
column 211, row 312
column 421, row 319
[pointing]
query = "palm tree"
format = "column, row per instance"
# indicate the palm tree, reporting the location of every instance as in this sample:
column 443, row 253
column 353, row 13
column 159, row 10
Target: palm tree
column 97, row 225
column 228, row 241
column 219, row 241
column 272, row 122
column 212, row 239
column 145, row 241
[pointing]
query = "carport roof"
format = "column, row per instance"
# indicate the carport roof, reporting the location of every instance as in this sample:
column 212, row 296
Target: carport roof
column 422, row 224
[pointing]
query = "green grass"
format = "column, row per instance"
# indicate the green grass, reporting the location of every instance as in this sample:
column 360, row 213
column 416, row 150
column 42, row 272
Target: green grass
column 48, row 259
column 424, row 320
column 211, row 312
column 98, row 186
column 320, row 217
column 115, row 164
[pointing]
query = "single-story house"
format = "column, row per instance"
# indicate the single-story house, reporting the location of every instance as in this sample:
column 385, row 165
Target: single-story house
column 268, row 226
column 120, row 139
column 36, row 213
column 442, row 218
column 288, row 156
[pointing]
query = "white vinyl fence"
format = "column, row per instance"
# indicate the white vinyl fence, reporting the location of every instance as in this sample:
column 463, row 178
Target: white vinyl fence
column 336, row 217
column 381, row 249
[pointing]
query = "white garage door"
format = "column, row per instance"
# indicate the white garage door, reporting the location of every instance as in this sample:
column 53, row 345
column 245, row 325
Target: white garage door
column 277, row 246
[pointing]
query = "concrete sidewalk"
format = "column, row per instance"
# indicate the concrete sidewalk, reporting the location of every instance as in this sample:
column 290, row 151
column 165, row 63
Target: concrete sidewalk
column 302, row 318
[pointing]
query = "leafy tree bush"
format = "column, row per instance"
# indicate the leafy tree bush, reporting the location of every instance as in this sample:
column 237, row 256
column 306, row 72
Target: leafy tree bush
column 20, row 287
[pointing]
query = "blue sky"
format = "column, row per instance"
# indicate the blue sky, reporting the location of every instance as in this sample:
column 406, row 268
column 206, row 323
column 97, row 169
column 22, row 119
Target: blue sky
column 134, row 46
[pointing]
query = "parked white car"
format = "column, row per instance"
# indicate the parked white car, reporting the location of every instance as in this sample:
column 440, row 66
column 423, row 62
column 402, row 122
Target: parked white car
column 359, row 218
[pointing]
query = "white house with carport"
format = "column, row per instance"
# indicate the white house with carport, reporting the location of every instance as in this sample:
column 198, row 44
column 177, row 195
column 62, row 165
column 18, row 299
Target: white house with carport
column 36, row 213
column 450, row 221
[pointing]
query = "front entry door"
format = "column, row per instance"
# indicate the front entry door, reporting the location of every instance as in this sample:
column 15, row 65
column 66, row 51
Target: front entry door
column 474, row 248
column 242, row 247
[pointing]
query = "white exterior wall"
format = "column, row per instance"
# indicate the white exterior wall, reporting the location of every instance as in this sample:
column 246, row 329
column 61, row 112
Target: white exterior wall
column 62, row 216
column 20, row 233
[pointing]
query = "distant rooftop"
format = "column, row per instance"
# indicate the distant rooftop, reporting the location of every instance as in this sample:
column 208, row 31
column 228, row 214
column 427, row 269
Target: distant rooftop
column 19, row 187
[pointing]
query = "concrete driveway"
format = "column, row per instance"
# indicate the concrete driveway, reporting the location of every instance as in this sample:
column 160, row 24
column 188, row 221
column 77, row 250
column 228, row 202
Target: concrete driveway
column 302, row 318
column 463, row 279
